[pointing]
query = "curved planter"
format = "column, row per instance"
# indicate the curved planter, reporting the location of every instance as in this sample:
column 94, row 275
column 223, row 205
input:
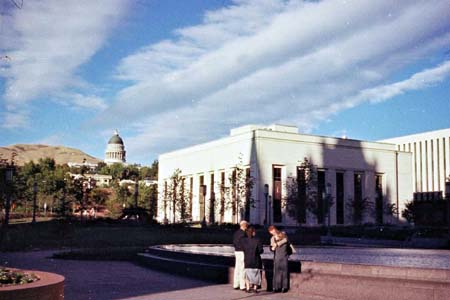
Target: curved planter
column 49, row 287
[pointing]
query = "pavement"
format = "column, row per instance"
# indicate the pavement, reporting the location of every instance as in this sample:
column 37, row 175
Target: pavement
column 116, row 280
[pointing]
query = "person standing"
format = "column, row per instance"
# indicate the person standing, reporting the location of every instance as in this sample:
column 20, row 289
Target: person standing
column 253, row 248
column 239, row 275
column 279, row 244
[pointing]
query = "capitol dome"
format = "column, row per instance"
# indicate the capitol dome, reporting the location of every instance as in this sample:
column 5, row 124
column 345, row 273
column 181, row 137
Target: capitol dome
column 115, row 150
column 115, row 139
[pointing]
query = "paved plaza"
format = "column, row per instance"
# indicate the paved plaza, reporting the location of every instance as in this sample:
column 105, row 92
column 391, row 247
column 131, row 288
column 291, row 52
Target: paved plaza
column 110, row 280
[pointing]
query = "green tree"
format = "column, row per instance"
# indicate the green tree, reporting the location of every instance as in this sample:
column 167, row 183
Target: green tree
column 100, row 196
column 302, row 193
column 149, row 172
column 149, row 199
column 178, row 197
column 123, row 194
column 239, row 192
column 358, row 208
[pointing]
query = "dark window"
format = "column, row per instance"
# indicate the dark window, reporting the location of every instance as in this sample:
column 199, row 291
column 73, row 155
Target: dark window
column 165, row 200
column 277, row 218
column 222, row 196
column 191, row 193
column 234, row 194
column 358, row 204
column 201, row 197
column 277, row 173
column 379, row 198
column 301, row 202
column 212, row 199
column 320, row 196
column 340, row 198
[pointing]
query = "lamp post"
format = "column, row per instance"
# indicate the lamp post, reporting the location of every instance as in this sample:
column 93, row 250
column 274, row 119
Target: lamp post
column 266, row 196
column 35, row 190
column 447, row 197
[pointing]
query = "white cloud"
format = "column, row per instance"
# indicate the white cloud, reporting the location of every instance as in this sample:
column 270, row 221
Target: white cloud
column 290, row 61
column 15, row 119
column 80, row 101
column 47, row 41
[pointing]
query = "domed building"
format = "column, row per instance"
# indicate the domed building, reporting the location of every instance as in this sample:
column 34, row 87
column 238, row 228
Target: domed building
column 115, row 151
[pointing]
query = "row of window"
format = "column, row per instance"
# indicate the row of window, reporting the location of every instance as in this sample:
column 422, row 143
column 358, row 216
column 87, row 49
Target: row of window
column 276, row 205
column 321, row 205
column 203, row 191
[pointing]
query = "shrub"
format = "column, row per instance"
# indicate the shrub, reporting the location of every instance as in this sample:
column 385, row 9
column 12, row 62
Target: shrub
column 9, row 277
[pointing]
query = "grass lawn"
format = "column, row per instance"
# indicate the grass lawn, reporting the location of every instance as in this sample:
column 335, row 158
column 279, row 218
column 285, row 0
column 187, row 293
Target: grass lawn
column 103, row 239
column 57, row 234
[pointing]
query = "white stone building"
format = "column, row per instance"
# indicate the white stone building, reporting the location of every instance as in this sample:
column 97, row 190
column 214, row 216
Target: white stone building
column 272, row 156
column 115, row 150
column 430, row 160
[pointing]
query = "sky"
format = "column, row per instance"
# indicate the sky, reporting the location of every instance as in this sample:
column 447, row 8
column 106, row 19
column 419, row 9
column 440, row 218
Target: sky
column 168, row 74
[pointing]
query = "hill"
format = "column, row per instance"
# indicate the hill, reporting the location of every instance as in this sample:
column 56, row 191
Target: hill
column 61, row 154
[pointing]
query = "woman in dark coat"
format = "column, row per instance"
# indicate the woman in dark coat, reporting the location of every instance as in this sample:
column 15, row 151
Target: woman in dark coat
column 253, row 248
column 279, row 245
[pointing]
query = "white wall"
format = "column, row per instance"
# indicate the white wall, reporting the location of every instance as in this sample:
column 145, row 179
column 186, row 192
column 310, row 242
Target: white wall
column 430, row 163
column 262, row 148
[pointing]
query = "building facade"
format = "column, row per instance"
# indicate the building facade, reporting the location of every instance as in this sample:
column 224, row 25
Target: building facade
column 115, row 150
column 272, row 157
column 430, row 160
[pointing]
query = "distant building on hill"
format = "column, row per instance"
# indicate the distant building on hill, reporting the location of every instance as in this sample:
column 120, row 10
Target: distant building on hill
column 99, row 179
column 115, row 150
column 90, row 166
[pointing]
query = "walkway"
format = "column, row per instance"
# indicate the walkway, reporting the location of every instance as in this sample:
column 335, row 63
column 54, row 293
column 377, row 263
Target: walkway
column 111, row 280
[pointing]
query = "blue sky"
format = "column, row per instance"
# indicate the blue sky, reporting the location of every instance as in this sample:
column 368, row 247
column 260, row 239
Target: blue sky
column 169, row 74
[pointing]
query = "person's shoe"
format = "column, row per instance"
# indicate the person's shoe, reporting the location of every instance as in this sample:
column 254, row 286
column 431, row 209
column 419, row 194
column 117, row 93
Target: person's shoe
column 236, row 288
column 276, row 291
column 284, row 290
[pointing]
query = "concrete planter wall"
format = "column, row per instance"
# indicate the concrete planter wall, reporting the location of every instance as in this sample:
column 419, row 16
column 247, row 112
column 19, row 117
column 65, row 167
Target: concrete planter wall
column 49, row 287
